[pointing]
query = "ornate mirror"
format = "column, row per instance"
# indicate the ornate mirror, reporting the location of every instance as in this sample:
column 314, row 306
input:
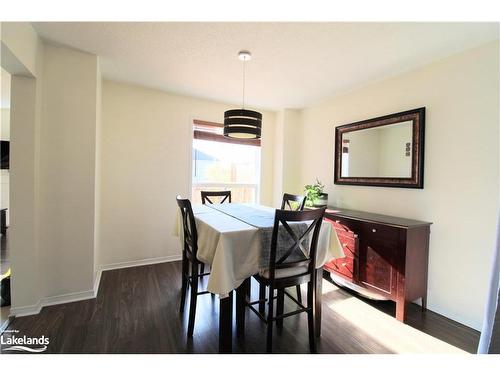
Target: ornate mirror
column 383, row 151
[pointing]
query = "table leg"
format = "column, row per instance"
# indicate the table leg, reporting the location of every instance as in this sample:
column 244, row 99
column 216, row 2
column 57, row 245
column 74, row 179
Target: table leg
column 241, row 296
column 317, row 302
column 226, row 324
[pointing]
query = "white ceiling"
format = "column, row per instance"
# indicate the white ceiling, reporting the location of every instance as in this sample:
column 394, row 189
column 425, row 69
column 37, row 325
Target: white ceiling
column 293, row 64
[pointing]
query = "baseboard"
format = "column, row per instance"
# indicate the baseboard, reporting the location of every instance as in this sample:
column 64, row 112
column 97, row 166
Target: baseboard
column 88, row 294
column 140, row 262
column 97, row 281
column 67, row 298
column 26, row 310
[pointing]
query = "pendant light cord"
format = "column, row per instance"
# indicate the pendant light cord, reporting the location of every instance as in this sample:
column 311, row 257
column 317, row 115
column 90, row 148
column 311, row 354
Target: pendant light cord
column 244, row 62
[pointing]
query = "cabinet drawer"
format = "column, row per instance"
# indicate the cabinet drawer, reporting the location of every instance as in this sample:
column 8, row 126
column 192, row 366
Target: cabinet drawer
column 342, row 226
column 381, row 231
column 343, row 267
column 348, row 244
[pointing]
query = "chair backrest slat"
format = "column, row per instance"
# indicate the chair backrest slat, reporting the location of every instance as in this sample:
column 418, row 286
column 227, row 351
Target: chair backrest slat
column 188, row 226
column 300, row 201
column 225, row 195
column 282, row 219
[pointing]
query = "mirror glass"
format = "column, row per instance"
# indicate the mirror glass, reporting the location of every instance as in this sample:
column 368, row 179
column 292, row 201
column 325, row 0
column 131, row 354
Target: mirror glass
column 382, row 151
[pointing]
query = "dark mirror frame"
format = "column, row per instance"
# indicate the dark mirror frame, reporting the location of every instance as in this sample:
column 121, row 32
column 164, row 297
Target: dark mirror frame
column 416, row 181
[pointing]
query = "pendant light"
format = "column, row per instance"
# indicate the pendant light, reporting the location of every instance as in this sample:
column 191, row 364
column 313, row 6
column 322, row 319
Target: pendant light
column 242, row 123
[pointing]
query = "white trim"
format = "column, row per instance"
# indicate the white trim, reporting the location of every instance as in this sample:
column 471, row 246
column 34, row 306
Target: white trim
column 26, row 310
column 140, row 262
column 226, row 184
column 88, row 294
column 97, row 281
column 67, row 298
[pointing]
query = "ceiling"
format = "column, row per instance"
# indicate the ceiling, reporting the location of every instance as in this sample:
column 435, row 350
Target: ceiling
column 293, row 64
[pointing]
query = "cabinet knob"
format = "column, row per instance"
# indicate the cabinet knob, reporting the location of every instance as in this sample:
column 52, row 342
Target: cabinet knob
column 337, row 221
column 374, row 230
column 344, row 244
column 344, row 264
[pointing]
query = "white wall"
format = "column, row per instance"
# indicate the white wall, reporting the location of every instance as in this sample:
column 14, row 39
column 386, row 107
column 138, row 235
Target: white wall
column 286, row 143
column 4, row 173
column 278, row 158
column 5, row 126
column 146, row 162
column 67, row 170
column 25, row 285
column 22, row 55
column 54, row 122
column 97, row 185
column 292, row 142
column 20, row 48
column 5, row 136
column 460, row 196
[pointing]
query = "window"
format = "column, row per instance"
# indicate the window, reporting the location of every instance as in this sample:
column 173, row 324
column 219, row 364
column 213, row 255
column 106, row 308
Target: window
column 221, row 163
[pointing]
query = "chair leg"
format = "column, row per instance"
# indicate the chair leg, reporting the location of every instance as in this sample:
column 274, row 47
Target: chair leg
column 262, row 297
column 202, row 269
column 280, row 304
column 270, row 303
column 310, row 317
column 299, row 294
column 249, row 288
column 194, row 293
column 184, row 282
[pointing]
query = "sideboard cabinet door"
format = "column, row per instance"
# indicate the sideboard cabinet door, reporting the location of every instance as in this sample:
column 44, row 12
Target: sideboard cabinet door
column 378, row 258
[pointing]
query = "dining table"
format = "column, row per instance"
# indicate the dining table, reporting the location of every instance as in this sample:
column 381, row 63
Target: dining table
column 230, row 241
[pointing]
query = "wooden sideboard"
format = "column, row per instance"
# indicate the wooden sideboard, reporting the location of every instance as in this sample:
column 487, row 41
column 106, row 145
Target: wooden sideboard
column 384, row 255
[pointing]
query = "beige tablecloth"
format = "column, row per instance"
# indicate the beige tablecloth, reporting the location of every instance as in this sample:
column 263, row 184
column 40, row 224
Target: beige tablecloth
column 232, row 247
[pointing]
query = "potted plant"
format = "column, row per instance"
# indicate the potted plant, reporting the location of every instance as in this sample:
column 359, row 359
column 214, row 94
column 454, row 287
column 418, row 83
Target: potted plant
column 315, row 197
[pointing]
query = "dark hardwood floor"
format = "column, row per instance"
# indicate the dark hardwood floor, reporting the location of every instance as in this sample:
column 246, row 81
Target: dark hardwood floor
column 137, row 311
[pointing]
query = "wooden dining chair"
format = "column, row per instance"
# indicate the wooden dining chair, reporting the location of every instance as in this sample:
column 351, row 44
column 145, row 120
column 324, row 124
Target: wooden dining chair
column 284, row 272
column 189, row 260
column 293, row 203
column 207, row 196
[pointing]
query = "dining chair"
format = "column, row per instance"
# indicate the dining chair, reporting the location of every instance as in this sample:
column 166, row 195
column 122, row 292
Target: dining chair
column 224, row 195
column 286, row 204
column 205, row 197
column 284, row 271
column 189, row 260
